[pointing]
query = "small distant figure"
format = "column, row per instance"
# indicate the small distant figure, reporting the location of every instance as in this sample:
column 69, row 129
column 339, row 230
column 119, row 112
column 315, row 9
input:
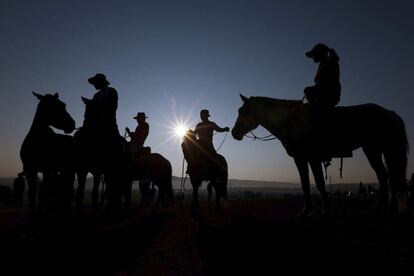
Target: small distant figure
column 18, row 188
column 204, row 131
column 326, row 92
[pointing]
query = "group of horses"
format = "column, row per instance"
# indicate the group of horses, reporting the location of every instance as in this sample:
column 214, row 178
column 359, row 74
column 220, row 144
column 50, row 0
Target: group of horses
column 381, row 134
column 61, row 157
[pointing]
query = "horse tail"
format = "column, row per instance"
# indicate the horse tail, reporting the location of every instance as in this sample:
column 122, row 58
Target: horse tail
column 168, row 177
column 223, row 175
column 396, row 154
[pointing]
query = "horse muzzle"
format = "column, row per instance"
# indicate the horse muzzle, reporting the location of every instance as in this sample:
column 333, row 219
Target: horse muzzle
column 236, row 135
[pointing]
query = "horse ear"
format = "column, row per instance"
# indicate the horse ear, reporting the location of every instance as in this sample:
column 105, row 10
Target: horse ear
column 244, row 98
column 38, row 96
column 56, row 95
column 85, row 100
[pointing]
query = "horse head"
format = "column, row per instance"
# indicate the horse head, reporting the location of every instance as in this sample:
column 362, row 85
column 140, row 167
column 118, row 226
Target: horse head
column 190, row 144
column 90, row 117
column 52, row 112
column 246, row 121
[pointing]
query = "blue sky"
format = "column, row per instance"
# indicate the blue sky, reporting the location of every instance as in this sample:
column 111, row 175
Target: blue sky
column 171, row 59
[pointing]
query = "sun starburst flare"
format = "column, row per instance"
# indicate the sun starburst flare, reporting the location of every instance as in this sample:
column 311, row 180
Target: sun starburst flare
column 180, row 130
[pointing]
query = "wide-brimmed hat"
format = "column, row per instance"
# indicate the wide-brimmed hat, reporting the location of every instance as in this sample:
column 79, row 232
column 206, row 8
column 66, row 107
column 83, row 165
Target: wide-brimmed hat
column 140, row 115
column 318, row 49
column 205, row 112
column 98, row 78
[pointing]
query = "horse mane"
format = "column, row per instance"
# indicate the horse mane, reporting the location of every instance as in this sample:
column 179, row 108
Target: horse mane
column 274, row 101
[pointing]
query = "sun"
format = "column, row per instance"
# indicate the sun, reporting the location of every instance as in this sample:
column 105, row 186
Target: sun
column 180, row 130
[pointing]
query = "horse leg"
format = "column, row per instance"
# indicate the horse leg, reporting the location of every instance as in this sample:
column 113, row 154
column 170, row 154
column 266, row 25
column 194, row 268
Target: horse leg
column 161, row 195
column 95, row 189
column 127, row 187
column 196, row 185
column 397, row 168
column 65, row 193
column 303, row 169
column 144, row 186
column 209, row 190
column 80, row 190
column 32, row 185
column 317, row 172
column 46, row 192
column 375, row 160
column 216, row 185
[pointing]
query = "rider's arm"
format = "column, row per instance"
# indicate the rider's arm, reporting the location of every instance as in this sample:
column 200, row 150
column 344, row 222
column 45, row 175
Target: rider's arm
column 129, row 131
column 220, row 129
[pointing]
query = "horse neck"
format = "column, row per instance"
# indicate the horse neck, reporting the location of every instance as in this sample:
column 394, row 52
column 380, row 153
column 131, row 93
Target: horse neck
column 274, row 114
column 40, row 122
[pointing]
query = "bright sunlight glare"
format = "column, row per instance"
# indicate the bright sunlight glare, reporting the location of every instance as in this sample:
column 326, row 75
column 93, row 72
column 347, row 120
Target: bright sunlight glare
column 180, row 130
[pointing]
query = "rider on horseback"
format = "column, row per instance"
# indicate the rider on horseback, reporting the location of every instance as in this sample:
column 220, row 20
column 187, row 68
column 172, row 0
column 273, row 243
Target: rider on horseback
column 106, row 100
column 326, row 92
column 106, row 103
column 323, row 97
column 204, row 131
column 139, row 136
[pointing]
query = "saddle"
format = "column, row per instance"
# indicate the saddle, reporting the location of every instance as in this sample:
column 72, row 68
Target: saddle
column 324, row 135
column 138, row 156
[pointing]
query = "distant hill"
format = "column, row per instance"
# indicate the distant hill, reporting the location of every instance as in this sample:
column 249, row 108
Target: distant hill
column 239, row 185
column 251, row 183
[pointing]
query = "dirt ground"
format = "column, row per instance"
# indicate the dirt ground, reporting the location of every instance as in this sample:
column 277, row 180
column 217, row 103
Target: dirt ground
column 256, row 237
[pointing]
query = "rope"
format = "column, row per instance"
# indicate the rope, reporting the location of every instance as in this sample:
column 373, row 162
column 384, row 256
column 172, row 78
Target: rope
column 183, row 179
column 222, row 142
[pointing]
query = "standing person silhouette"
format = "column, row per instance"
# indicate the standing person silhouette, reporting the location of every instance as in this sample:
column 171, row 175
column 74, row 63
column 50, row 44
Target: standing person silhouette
column 108, row 140
column 326, row 92
column 204, row 131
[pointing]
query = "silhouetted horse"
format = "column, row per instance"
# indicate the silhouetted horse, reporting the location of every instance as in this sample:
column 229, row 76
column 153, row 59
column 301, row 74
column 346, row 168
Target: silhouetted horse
column 89, row 156
column 152, row 167
column 50, row 153
column 380, row 132
column 203, row 167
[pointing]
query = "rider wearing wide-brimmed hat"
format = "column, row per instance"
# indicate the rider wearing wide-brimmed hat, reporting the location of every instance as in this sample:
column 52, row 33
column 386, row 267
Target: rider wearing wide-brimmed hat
column 106, row 100
column 140, row 134
column 107, row 141
column 326, row 92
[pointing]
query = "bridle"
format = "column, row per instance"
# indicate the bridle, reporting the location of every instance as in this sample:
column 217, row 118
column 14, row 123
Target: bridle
column 262, row 138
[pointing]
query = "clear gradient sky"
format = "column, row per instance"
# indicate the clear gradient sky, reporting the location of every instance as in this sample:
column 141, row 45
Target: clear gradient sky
column 171, row 59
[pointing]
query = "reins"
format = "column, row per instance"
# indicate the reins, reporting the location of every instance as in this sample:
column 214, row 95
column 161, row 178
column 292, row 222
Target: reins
column 263, row 138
